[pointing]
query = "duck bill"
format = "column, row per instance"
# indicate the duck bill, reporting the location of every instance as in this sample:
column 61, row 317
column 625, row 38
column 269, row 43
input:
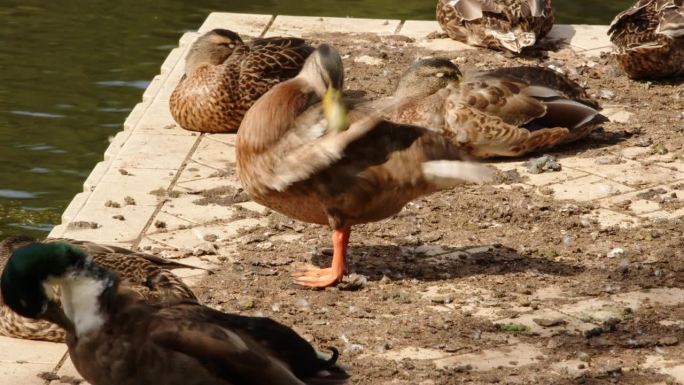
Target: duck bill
column 335, row 110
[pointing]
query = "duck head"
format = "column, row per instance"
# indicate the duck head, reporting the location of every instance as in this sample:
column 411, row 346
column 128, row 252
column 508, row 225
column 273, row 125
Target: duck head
column 427, row 76
column 323, row 72
column 32, row 272
column 212, row 48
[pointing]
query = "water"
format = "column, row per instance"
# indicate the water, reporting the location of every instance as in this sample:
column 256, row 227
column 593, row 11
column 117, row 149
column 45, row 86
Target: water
column 70, row 72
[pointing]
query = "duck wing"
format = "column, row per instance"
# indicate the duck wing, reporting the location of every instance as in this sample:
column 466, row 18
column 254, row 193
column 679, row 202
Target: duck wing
column 254, row 350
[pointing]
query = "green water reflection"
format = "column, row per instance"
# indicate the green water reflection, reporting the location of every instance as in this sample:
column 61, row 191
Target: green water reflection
column 70, row 71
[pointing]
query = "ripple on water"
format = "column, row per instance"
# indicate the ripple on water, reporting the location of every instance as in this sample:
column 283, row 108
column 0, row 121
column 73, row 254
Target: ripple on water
column 17, row 194
column 141, row 84
column 35, row 114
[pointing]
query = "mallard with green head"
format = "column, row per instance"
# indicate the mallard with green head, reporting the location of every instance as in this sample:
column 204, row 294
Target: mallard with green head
column 144, row 274
column 224, row 76
column 648, row 39
column 332, row 164
column 116, row 338
column 501, row 112
column 497, row 24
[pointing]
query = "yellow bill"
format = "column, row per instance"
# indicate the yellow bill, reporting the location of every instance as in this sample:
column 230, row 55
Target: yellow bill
column 335, row 110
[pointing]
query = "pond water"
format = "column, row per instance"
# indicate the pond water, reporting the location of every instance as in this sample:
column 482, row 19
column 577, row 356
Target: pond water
column 70, row 72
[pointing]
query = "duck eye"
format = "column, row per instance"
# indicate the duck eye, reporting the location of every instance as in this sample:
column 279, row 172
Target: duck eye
column 439, row 74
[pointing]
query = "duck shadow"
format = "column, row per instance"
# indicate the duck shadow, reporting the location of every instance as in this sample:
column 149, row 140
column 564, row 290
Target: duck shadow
column 439, row 262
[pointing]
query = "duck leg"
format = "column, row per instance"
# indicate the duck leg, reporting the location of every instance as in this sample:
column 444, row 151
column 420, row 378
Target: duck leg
column 331, row 275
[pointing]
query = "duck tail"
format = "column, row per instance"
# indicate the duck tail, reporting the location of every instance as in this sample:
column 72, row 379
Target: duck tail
column 329, row 373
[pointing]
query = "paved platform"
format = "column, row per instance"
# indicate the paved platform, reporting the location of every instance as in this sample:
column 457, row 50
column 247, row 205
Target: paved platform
column 159, row 174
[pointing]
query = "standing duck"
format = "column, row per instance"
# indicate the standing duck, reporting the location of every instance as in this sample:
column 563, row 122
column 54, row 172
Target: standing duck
column 144, row 274
column 502, row 112
column 497, row 24
column 648, row 39
column 115, row 338
column 319, row 164
column 224, row 76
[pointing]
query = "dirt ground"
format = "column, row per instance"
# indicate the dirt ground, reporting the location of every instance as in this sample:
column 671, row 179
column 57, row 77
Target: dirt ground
column 450, row 275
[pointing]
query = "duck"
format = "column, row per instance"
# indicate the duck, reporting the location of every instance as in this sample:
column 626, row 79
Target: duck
column 224, row 76
column 144, row 274
column 504, row 112
column 306, row 151
column 502, row 25
column 115, row 337
column 648, row 39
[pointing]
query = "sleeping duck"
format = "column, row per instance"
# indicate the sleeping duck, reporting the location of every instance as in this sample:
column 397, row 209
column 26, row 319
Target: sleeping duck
column 321, row 163
column 648, row 39
column 224, row 76
column 144, row 274
column 497, row 24
column 502, row 112
column 115, row 338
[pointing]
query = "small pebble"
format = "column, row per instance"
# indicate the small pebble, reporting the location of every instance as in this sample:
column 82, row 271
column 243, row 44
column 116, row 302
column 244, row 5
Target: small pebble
column 119, row 217
column 616, row 252
column 129, row 200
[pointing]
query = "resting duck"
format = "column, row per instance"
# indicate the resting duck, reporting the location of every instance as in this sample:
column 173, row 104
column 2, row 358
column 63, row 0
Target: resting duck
column 115, row 338
column 319, row 164
column 144, row 274
column 648, row 39
column 497, row 24
column 224, row 76
column 502, row 112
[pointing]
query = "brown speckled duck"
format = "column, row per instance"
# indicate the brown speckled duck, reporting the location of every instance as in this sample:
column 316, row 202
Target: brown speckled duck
column 497, row 24
column 144, row 274
column 224, row 76
column 116, row 338
column 319, row 164
column 502, row 112
column 648, row 39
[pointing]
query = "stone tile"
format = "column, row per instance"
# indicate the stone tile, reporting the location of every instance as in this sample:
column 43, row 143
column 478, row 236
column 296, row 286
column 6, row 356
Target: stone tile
column 609, row 218
column 572, row 324
column 110, row 230
column 184, row 207
column 165, row 222
column 244, row 24
column 158, row 120
column 201, row 185
column 617, row 114
column 228, row 139
column 588, row 188
column 75, row 206
column 116, row 144
column 23, row 374
column 35, row 352
column 253, row 206
column 214, row 154
column 664, row 214
column 594, row 310
column 446, row 45
column 153, row 88
column 642, row 206
column 419, row 29
column 542, row 179
column 521, row 353
column 635, row 152
column 134, row 116
column 195, row 171
column 302, row 25
column 154, row 151
column 667, row 296
column 581, row 36
column 671, row 364
column 190, row 238
column 414, row 353
column 630, row 172
column 68, row 370
column 138, row 184
column 96, row 175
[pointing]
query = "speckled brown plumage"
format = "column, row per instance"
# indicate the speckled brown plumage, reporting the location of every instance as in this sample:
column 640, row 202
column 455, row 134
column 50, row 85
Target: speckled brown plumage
column 497, row 24
column 289, row 160
column 224, row 76
column 648, row 39
column 144, row 274
column 502, row 112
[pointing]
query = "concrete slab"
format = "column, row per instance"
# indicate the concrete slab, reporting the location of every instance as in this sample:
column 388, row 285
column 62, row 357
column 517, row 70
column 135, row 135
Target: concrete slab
column 419, row 29
column 588, row 188
column 244, row 24
column 302, row 25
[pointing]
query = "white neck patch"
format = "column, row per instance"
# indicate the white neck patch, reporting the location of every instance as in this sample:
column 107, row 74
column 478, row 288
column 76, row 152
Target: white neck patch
column 80, row 301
